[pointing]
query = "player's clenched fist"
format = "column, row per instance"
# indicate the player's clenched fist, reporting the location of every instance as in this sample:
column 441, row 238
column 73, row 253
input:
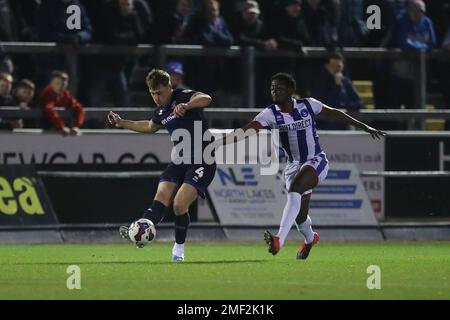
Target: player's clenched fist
column 114, row 119
column 180, row 109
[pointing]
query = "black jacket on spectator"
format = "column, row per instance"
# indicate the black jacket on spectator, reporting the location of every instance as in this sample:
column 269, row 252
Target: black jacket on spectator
column 172, row 29
column 249, row 35
column 6, row 64
column 352, row 24
column 202, row 32
column 289, row 32
column 344, row 96
column 117, row 29
column 320, row 24
column 6, row 101
column 145, row 14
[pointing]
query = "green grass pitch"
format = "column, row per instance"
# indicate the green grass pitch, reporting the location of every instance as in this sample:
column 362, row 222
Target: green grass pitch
column 410, row 270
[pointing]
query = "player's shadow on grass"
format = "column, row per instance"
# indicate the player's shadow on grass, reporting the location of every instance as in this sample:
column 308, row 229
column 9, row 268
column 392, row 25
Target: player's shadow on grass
column 225, row 261
column 143, row 262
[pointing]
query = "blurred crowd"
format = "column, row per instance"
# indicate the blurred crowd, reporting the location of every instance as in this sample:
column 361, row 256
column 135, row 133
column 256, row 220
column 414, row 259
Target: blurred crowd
column 266, row 24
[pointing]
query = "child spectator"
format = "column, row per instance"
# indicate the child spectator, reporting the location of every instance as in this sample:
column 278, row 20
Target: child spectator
column 6, row 81
column 55, row 95
column 23, row 97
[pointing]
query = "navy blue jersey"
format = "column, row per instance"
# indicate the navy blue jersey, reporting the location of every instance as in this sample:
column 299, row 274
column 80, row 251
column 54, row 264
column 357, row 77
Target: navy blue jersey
column 164, row 116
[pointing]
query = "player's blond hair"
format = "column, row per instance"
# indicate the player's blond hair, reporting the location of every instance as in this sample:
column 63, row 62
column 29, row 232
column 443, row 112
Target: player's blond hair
column 156, row 78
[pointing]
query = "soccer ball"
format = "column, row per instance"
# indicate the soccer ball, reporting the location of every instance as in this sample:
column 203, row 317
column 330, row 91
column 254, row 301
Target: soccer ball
column 141, row 232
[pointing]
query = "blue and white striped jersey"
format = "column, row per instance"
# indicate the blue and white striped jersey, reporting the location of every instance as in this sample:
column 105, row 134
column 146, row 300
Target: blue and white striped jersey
column 298, row 135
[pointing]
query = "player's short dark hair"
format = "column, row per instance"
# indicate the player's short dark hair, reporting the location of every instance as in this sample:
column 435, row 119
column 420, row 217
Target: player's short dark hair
column 286, row 78
column 156, row 78
column 335, row 55
column 60, row 74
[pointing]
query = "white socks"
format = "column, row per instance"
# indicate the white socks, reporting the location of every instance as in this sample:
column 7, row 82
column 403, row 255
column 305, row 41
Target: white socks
column 306, row 229
column 290, row 212
column 178, row 250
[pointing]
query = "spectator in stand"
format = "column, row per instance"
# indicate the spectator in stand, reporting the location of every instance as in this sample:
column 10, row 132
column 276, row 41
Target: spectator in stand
column 24, row 94
column 145, row 15
column 16, row 19
column 413, row 30
column 173, row 27
column 333, row 88
column 289, row 26
column 51, row 26
column 209, row 27
column 320, row 23
column 6, row 21
column 6, row 81
column 249, row 29
column 352, row 23
column 6, row 34
column 353, row 30
column 176, row 72
column 291, row 33
column 56, row 95
column 6, row 65
column 6, row 100
column 23, row 98
column 121, row 25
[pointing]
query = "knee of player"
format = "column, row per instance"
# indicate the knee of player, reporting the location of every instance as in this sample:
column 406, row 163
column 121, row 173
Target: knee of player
column 301, row 185
column 163, row 198
column 179, row 207
column 296, row 188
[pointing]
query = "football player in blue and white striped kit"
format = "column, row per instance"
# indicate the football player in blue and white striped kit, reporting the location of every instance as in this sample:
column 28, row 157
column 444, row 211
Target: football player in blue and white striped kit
column 307, row 162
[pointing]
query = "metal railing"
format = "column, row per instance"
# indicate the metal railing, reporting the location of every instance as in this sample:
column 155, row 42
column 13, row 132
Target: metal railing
column 226, row 116
column 99, row 114
column 248, row 56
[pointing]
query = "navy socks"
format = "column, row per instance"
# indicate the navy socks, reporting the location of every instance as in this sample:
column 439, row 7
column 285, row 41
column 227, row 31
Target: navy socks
column 156, row 212
column 181, row 227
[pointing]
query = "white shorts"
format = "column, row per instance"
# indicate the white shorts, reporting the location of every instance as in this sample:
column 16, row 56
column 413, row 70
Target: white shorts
column 319, row 163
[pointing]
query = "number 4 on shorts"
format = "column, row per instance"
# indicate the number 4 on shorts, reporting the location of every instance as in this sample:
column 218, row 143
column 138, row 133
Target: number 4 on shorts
column 199, row 172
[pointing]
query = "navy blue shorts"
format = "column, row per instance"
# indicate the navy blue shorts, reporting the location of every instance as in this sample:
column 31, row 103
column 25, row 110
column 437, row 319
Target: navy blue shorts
column 199, row 176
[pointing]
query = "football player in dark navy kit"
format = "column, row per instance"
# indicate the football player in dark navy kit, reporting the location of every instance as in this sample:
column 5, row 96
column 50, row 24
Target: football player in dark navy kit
column 180, row 183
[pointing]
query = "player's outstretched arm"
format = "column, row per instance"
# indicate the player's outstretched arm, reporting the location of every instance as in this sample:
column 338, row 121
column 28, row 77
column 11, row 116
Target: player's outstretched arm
column 339, row 116
column 239, row 134
column 198, row 100
column 143, row 126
